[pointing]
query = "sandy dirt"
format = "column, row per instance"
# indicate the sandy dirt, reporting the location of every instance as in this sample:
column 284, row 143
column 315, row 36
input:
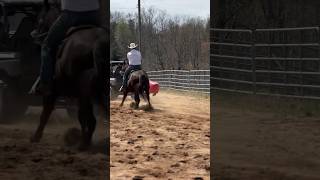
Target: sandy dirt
column 50, row 159
column 170, row 142
column 258, row 141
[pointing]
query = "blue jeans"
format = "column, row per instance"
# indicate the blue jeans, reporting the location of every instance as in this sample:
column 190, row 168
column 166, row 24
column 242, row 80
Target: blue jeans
column 127, row 72
column 55, row 36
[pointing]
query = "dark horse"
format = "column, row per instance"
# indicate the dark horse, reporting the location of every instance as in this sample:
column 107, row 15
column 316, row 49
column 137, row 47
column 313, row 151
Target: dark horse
column 81, row 72
column 138, row 84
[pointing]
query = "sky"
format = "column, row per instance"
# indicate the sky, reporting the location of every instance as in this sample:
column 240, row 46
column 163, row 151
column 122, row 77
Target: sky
column 192, row 8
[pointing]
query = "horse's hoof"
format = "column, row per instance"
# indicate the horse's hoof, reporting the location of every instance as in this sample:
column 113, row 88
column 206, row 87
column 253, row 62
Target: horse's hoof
column 120, row 105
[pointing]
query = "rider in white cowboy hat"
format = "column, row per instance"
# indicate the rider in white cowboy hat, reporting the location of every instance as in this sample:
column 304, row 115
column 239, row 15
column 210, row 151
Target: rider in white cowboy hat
column 134, row 58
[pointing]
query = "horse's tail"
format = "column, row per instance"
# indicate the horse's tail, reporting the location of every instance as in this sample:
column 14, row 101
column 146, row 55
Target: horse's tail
column 144, row 84
column 100, row 64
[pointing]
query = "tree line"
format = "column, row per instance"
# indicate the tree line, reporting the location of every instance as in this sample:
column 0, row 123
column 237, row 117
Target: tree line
column 167, row 42
column 253, row 14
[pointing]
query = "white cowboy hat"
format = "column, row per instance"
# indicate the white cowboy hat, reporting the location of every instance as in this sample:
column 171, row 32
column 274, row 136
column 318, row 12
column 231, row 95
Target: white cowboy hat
column 132, row 45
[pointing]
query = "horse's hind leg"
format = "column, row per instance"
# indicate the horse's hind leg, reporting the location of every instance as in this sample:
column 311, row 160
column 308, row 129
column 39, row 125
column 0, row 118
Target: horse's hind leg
column 137, row 100
column 147, row 94
column 48, row 107
column 87, row 122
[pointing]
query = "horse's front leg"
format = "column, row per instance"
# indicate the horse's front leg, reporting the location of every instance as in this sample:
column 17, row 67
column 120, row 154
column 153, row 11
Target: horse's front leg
column 125, row 94
column 48, row 107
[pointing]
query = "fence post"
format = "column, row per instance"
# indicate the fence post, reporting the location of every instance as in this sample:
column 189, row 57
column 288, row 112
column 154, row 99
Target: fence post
column 171, row 79
column 189, row 85
column 253, row 62
column 318, row 31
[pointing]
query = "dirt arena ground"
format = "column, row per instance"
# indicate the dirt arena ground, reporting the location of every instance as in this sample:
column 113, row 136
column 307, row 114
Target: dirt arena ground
column 50, row 159
column 266, row 139
column 170, row 142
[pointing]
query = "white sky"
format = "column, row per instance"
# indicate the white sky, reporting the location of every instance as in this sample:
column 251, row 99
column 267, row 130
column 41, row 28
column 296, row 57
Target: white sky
column 192, row 8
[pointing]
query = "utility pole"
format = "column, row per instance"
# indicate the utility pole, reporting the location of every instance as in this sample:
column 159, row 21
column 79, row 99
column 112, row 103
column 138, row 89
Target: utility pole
column 139, row 17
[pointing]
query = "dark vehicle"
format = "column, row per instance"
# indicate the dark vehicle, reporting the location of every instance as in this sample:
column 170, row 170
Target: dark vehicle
column 116, row 75
column 19, row 57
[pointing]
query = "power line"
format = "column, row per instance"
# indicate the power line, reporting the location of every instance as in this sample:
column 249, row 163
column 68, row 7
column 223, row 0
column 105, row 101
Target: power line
column 139, row 16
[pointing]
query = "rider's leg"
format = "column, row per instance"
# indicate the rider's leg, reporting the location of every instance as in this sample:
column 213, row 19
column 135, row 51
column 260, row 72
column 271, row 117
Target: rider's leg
column 50, row 45
column 125, row 77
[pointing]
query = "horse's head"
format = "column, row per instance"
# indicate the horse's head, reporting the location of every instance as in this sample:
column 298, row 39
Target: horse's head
column 117, row 71
column 49, row 13
column 124, row 65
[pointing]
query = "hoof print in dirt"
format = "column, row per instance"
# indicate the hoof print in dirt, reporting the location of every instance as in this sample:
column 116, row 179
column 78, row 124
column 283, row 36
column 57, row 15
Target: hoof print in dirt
column 198, row 178
column 138, row 178
column 170, row 171
column 147, row 108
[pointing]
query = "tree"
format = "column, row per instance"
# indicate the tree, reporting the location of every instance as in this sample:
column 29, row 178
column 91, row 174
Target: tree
column 167, row 42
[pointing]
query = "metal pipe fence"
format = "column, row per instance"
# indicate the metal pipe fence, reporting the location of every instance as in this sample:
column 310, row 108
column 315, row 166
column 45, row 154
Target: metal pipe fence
column 278, row 62
column 183, row 80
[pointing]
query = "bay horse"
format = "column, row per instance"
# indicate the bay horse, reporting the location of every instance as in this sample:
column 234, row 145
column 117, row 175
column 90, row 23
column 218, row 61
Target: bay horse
column 80, row 73
column 138, row 84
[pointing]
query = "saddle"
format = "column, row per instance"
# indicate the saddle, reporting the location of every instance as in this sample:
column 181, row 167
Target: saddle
column 132, row 71
column 71, row 31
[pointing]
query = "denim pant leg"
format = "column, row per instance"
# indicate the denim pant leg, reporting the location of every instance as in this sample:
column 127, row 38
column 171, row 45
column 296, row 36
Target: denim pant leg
column 55, row 36
column 126, row 76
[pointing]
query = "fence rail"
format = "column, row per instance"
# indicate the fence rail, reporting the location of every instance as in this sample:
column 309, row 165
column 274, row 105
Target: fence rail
column 279, row 62
column 183, row 80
